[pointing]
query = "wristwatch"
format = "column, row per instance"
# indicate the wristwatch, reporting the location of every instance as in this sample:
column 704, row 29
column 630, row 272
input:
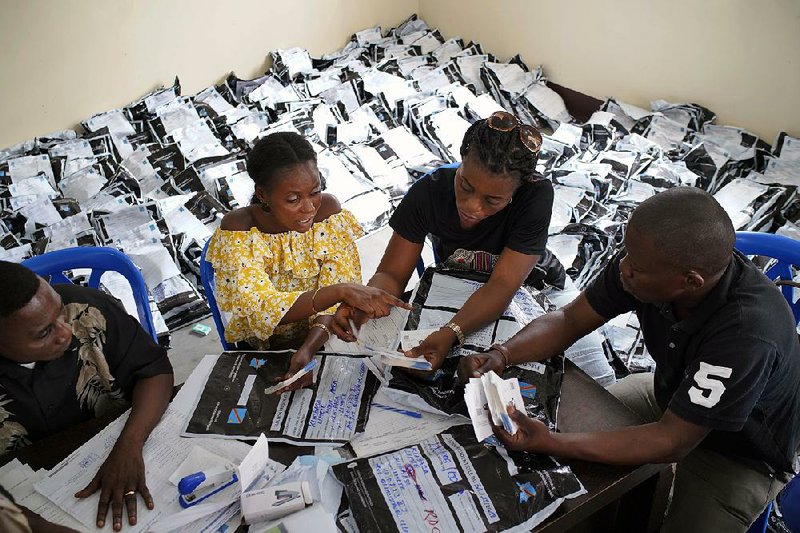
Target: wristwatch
column 457, row 330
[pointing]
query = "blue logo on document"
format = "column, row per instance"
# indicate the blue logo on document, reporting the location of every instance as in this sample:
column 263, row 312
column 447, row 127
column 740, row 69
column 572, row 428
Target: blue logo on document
column 527, row 390
column 237, row 415
column 526, row 491
column 257, row 363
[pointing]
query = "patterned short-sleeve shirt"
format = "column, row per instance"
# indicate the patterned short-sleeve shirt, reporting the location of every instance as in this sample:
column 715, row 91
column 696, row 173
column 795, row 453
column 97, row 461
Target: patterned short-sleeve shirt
column 109, row 353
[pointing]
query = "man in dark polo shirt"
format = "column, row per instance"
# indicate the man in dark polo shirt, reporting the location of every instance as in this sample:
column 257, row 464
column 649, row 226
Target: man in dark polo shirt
column 70, row 353
column 723, row 402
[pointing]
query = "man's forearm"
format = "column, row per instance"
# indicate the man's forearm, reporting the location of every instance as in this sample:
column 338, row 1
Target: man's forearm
column 544, row 337
column 150, row 399
column 633, row 445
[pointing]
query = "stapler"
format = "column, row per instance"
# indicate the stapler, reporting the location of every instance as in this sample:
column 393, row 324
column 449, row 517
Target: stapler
column 195, row 488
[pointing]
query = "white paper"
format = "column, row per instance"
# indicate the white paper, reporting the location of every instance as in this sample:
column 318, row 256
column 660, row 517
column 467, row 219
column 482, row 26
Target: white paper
column 547, row 102
column 736, row 197
column 25, row 167
column 388, row 430
column 36, row 185
column 412, row 338
column 380, row 333
column 490, row 394
column 114, row 120
column 154, row 260
column 214, row 100
column 18, row 479
column 163, row 453
column 255, row 463
column 200, row 460
column 82, row 184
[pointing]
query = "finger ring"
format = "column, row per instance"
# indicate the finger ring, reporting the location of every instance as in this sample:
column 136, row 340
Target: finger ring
column 130, row 493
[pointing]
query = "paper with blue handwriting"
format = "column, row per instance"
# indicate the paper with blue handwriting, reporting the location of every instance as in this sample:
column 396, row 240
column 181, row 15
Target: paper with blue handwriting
column 452, row 482
column 233, row 403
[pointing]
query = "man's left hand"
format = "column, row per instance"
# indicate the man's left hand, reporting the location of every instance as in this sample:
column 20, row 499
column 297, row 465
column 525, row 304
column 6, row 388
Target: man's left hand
column 119, row 480
column 531, row 433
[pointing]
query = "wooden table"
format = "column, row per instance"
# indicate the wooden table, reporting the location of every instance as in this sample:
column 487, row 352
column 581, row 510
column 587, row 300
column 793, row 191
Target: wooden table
column 617, row 499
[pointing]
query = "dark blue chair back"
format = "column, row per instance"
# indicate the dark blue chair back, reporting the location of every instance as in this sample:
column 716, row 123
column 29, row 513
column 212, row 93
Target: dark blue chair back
column 99, row 260
column 207, row 279
column 785, row 250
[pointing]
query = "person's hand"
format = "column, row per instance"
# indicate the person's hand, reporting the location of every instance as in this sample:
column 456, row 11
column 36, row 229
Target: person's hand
column 373, row 302
column 531, row 435
column 340, row 325
column 300, row 359
column 475, row 365
column 119, row 479
column 434, row 349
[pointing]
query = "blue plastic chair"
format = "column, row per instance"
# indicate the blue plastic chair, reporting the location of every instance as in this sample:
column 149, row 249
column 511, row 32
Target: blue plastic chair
column 99, row 260
column 207, row 280
column 789, row 504
column 787, row 253
column 784, row 249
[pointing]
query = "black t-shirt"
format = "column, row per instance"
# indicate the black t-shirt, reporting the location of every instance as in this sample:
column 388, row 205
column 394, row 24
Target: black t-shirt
column 109, row 353
column 733, row 366
column 429, row 207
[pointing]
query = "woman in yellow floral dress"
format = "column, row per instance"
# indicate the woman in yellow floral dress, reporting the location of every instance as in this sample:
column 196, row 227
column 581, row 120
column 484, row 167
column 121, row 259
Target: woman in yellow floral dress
column 286, row 261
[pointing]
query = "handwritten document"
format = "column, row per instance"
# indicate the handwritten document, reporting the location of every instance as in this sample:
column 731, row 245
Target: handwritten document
column 233, row 404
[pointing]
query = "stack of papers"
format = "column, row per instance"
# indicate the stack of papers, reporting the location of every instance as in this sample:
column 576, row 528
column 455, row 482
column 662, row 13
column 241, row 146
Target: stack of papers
column 489, row 396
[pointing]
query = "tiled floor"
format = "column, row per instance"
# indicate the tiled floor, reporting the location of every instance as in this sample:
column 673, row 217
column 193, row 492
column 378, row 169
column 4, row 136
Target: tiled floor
column 188, row 348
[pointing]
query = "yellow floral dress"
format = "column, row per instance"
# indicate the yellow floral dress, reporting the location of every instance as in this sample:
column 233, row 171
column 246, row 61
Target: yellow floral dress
column 259, row 275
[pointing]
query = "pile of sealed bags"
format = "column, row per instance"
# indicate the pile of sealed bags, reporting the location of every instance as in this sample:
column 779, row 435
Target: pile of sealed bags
column 154, row 178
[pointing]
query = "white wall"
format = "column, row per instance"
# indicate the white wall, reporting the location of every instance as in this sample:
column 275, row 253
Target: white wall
column 64, row 60
column 740, row 58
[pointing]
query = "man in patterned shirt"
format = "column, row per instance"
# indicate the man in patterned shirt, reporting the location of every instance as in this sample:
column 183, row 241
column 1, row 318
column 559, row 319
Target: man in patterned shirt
column 68, row 354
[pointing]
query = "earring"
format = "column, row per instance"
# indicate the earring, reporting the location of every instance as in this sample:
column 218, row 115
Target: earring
column 265, row 207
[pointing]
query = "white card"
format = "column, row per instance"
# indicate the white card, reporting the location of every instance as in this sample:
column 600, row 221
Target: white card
column 413, row 338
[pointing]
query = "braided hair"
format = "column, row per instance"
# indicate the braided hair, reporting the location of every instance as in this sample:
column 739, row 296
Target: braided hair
column 500, row 152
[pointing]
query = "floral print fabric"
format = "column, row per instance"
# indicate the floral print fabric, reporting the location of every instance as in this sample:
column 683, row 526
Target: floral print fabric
column 259, row 276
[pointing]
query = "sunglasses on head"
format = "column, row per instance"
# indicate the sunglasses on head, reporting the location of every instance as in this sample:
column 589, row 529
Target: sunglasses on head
column 504, row 121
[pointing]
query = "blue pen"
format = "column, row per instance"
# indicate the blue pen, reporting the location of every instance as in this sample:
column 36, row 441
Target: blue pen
column 303, row 371
column 406, row 412
column 507, row 423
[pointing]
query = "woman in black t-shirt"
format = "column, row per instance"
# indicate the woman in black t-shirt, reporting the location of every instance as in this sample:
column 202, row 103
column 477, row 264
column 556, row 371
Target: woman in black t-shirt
column 491, row 213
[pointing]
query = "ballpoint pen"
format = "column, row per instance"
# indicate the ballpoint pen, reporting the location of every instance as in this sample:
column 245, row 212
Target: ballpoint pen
column 286, row 382
column 406, row 412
